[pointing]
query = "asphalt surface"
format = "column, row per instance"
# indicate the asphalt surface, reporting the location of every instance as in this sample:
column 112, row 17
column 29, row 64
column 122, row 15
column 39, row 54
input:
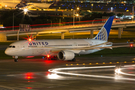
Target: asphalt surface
column 33, row 74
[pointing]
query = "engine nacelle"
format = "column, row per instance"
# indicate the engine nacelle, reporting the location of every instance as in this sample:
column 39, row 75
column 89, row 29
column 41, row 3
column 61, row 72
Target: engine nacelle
column 65, row 55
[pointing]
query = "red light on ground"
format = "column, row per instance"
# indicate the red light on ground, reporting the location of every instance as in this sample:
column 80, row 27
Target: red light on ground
column 47, row 73
column 48, row 61
column 29, row 76
column 28, row 87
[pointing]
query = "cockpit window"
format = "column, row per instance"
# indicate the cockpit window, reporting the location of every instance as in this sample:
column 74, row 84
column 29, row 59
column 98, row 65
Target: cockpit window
column 11, row 46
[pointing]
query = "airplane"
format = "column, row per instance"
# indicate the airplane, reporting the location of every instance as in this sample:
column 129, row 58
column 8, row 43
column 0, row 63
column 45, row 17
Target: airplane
column 64, row 49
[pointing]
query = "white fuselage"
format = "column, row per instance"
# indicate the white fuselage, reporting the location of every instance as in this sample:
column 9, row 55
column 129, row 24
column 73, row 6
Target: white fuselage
column 45, row 47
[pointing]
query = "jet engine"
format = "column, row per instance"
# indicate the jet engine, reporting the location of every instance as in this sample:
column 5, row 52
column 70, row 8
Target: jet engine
column 65, row 55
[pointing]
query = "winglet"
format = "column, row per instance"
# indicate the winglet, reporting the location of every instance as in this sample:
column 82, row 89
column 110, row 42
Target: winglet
column 105, row 30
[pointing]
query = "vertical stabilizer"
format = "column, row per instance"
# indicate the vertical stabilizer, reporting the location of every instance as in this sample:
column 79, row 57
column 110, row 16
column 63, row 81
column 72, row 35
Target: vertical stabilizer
column 105, row 30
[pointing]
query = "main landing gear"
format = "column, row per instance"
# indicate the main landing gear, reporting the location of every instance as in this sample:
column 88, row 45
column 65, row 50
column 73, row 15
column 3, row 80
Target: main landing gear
column 16, row 59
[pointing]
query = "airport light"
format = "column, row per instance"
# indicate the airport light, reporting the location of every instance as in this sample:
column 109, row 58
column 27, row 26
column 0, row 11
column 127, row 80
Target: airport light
column 13, row 21
column 78, row 8
column 5, row 5
column 25, row 10
column 78, row 16
column 133, row 12
column 73, row 17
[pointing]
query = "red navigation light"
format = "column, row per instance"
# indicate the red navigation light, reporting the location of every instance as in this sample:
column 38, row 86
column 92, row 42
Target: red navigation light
column 131, row 45
column 29, row 39
column 48, row 56
column 29, row 75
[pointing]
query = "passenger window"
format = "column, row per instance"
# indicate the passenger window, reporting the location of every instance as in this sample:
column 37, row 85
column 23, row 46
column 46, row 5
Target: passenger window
column 11, row 46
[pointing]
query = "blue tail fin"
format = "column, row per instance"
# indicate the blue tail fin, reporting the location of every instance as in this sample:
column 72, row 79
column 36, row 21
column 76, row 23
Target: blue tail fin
column 105, row 30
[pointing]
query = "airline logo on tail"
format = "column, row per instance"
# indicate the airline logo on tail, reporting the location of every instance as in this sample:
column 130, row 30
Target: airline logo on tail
column 105, row 30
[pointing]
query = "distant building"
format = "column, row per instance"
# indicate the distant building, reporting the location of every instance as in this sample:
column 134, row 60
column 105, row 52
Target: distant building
column 39, row 1
column 99, row 1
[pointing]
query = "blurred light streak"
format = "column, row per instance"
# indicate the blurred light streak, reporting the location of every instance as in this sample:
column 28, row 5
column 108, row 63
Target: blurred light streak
column 57, row 71
column 53, row 76
column 116, row 76
column 58, row 23
column 120, row 71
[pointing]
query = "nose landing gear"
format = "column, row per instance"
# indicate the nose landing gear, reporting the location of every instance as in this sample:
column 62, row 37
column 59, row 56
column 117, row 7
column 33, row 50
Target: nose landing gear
column 16, row 59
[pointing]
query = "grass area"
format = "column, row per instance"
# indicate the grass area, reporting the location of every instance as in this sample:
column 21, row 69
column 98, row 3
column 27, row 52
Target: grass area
column 116, row 40
column 124, row 51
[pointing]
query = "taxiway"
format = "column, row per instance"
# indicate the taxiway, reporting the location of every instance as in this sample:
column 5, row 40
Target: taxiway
column 36, row 74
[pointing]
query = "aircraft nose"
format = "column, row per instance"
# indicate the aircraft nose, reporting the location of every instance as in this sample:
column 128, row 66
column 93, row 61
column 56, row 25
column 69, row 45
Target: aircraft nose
column 7, row 52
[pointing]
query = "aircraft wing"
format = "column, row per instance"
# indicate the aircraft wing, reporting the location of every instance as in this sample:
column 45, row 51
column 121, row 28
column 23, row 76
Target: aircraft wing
column 56, row 50
column 107, row 47
column 98, row 47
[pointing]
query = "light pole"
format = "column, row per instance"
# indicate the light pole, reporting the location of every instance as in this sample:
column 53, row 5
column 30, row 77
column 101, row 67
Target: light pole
column 13, row 21
column 73, row 17
column 78, row 16
column 59, row 22
column 133, row 12
column 13, row 29
column 25, row 12
column 51, row 23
